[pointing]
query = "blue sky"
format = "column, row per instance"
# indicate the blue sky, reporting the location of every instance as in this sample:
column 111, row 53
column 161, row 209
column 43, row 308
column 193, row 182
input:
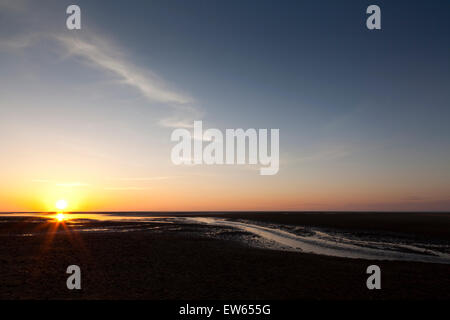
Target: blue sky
column 363, row 115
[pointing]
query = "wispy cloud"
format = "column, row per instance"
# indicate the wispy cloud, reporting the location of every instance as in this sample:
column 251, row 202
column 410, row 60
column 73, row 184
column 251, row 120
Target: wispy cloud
column 101, row 54
column 72, row 185
column 61, row 184
column 415, row 198
column 18, row 42
column 109, row 57
column 125, row 188
column 327, row 154
column 41, row 181
column 143, row 178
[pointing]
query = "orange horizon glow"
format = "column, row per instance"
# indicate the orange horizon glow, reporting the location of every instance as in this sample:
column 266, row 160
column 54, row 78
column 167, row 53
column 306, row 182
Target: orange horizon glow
column 215, row 193
column 175, row 200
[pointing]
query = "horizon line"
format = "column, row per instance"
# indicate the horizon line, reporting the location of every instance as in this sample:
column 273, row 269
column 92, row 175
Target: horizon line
column 240, row 211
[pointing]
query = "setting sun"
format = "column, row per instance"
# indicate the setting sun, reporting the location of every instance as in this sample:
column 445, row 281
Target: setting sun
column 61, row 204
column 60, row 217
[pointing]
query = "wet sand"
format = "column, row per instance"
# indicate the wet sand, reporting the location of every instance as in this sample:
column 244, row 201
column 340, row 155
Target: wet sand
column 428, row 225
column 171, row 261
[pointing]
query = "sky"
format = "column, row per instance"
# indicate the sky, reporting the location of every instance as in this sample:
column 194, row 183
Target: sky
column 86, row 115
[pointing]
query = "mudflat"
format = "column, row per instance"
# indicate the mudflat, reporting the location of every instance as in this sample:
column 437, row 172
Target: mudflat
column 177, row 261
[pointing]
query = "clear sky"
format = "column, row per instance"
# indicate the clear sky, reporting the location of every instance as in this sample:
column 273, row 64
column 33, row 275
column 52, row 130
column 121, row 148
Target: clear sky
column 86, row 115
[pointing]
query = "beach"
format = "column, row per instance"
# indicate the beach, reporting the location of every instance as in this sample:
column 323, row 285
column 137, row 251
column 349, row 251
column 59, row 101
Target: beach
column 161, row 260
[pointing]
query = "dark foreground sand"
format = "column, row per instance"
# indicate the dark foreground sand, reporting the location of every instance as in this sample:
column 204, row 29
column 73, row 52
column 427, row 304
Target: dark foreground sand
column 178, row 263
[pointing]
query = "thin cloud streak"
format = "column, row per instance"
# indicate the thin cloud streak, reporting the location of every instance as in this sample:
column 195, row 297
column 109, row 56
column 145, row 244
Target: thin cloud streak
column 98, row 53
column 125, row 188
column 142, row 179
column 72, row 185
column 101, row 54
column 61, row 184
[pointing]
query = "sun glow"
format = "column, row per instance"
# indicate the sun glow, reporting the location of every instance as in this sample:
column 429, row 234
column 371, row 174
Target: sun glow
column 61, row 204
column 60, row 217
